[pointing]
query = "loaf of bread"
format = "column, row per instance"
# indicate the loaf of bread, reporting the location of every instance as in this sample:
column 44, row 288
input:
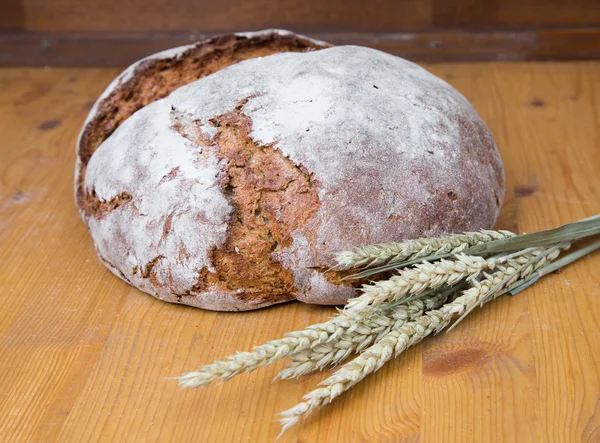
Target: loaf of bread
column 228, row 185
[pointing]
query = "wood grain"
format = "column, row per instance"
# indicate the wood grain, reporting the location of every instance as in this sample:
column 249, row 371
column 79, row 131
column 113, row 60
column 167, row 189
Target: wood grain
column 85, row 357
column 529, row 14
column 383, row 16
column 206, row 15
column 118, row 32
column 12, row 16
column 98, row 48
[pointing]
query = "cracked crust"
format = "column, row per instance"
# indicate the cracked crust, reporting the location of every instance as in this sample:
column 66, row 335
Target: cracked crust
column 142, row 84
column 271, row 197
column 231, row 192
column 158, row 75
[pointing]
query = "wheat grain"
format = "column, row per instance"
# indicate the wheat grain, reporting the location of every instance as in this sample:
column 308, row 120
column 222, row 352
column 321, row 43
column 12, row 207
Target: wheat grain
column 541, row 257
column 355, row 339
column 397, row 340
column 416, row 279
column 375, row 255
column 262, row 355
column 359, row 317
column 327, row 333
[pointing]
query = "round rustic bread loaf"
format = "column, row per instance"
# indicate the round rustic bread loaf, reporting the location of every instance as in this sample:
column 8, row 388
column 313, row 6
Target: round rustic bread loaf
column 232, row 191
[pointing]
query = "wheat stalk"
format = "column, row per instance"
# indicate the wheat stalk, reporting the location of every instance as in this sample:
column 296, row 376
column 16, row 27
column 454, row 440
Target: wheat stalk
column 263, row 355
column 400, row 339
column 392, row 316
column 416, row 279
column 375, row 255
column 334, row 332
column 360, row 315
column 357, row 338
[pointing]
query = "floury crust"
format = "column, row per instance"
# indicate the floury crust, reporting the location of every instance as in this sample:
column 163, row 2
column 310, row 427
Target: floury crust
column 231, row 192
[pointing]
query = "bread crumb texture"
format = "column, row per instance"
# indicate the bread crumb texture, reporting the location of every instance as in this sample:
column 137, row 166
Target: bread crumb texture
column 232, row 191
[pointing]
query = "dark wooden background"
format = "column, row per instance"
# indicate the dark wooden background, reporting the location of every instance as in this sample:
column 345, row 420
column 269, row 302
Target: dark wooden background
column 117, row 32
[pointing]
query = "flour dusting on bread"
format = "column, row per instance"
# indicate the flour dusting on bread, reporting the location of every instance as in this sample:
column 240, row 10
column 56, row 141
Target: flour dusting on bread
column 294, row 155
column 177, row 213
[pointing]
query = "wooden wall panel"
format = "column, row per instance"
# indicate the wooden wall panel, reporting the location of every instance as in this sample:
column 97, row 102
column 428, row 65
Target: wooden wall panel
column 515, row 13
column 532, row 13
column 12, row 16
column 305, row 15
column 88, row 32
column 224, row 15
column 98, row 48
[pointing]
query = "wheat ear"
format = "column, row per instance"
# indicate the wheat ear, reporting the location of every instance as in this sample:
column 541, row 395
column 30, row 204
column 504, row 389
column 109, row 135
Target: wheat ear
column 355, row 339
column 375, row 255
column 400, row 339
column 417, row 278
column 293, row 343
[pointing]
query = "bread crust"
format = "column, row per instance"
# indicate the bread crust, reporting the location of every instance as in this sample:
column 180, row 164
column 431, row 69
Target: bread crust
column 231, row 192
column 151, row 79
column 157, row 75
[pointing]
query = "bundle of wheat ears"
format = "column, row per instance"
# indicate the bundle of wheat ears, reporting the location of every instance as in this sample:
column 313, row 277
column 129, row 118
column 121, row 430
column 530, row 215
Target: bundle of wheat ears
column 436, row 283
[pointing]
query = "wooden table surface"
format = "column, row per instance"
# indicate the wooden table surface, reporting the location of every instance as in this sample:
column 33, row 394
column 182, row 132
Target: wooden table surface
column 84, row 356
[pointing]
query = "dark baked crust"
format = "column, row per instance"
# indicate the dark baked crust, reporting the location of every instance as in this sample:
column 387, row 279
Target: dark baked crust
column 157, row 76
column 287, row 206
column 265, row 281
column 271, row 197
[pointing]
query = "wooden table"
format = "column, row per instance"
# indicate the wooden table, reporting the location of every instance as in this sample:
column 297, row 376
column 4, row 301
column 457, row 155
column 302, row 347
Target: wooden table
column 84, row 356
